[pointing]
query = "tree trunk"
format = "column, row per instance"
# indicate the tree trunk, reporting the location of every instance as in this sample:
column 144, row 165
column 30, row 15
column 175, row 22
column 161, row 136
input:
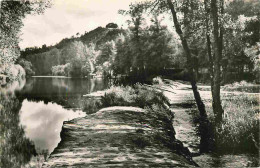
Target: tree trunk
column 187, row 51
column 217, row 45
column 209, row 45
column 204, row 123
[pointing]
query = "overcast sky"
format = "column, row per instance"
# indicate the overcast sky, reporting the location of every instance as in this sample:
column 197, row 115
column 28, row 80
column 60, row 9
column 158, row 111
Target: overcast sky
column 67, row 17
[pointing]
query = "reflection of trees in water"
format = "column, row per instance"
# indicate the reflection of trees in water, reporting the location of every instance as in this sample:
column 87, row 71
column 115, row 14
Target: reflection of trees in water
column 66, row 92
column 43, row 152
column 15, row 148
column 11, row 88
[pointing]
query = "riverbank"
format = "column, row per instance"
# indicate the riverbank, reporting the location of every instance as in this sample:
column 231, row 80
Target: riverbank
column 180, row 103
column 111, row 137
column 122, row 135
column 239, row 133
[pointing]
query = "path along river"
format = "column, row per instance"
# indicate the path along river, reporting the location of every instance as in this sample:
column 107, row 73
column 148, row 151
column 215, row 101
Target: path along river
column 183, row 105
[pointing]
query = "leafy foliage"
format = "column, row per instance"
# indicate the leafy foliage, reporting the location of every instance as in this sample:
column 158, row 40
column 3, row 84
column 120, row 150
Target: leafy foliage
column 60, row 70
column 27, row 66
column 148, row 49
column 11, row 15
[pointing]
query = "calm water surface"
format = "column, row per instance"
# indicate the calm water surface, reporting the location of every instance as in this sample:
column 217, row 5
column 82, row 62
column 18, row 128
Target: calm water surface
column 33, row 111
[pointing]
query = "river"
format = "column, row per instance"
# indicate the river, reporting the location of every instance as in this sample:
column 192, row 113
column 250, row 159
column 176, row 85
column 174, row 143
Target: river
column 33, row 111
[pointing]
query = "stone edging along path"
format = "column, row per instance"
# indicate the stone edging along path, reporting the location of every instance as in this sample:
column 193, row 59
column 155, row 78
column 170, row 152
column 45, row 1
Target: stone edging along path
column 117, row 137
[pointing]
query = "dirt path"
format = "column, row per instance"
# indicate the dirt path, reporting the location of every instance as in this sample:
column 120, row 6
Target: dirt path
column 182, row 101
column 113, row 137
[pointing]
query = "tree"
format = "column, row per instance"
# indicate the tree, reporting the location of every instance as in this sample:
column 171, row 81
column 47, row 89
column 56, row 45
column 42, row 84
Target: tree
column 11, row 15
column 190, row 65
column 158, row 47
column 136, row 12
column 217, row 50
column 105, row 52
column 112, row 25
column 254, row 54
column 208, row 42
column 27, row 65
column 79, row 57
column 122, row 62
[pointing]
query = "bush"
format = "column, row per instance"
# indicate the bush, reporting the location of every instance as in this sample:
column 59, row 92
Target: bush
column 86, row 69
column 91, row 105
column 60, row 70
column 27, row 65
column 15, row 72
column 137, row 96
column 157, row 80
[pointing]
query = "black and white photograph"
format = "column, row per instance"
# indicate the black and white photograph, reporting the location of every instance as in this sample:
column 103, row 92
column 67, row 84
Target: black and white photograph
column 129, row 83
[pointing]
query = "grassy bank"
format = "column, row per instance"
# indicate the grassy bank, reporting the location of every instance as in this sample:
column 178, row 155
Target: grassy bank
column 136, row 96
column 239, row 131
column 242, row 86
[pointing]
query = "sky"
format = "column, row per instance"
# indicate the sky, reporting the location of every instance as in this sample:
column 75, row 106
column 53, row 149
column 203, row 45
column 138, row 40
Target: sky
column 68, row 17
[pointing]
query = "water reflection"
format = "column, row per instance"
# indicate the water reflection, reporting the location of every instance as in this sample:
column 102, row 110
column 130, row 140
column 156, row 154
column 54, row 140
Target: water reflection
column 15, row 148
column 32, row 112
column 63, row 91
column 43, row 122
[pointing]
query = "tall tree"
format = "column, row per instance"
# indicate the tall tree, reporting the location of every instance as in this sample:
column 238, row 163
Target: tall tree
column 204, row 123
column 208, row 42
column 136, row 12
column 190, row 65
column 216, row 10
column 11, row 15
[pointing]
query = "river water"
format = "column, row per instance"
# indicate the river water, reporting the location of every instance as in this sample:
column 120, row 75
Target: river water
column 33, row 111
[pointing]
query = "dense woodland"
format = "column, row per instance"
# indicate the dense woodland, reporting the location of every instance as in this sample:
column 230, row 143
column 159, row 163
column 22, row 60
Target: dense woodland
column 144, row 48
column 212, row 39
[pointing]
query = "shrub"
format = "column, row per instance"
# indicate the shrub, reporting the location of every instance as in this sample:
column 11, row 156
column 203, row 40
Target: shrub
column 91, row 105
column 60, row 70
column 86, row 69
column 157, row 80
column 137, row 96
column 15, row 72
column 27, row 65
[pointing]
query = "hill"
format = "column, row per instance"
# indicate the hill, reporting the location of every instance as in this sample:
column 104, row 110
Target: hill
column 42, row 59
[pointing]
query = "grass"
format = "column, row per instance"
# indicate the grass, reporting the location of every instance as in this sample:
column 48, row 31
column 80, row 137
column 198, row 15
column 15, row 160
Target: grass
column 137, row 96
column 242, row 86
column 239, row 130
